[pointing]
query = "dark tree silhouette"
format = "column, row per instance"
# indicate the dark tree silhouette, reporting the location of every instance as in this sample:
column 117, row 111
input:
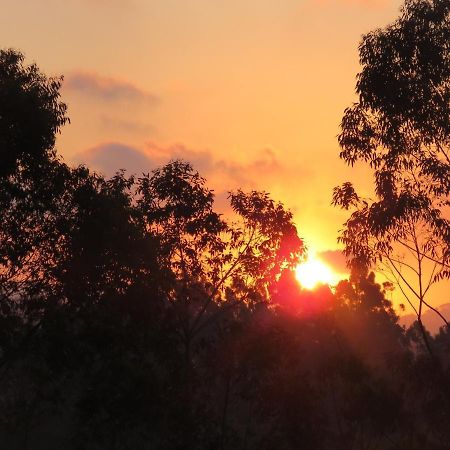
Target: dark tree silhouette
column 401, row 127
column 31, row 112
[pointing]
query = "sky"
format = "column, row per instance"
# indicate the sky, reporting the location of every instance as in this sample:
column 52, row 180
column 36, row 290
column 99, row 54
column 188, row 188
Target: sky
column 250, row 91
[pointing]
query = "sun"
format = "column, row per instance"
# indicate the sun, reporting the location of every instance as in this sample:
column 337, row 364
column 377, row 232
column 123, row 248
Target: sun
column 314, row 272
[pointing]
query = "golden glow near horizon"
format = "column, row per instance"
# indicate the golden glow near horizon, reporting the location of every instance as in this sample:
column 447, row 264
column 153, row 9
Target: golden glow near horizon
column 314, row 272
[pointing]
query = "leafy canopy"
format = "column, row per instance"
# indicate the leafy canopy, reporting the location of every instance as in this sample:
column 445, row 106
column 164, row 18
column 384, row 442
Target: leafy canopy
column 401, row 127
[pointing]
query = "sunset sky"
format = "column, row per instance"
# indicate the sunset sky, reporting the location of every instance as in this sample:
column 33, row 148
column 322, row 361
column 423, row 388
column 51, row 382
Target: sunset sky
column 250, row 91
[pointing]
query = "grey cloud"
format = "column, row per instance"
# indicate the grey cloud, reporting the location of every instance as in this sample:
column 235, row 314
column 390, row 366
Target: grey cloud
column 221, row 175
column 200, row 160
column 107, row 89
column 253, row 175
column 110, row 157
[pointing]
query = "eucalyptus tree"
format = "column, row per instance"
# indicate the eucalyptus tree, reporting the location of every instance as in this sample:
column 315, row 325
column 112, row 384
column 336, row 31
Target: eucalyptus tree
column 400, row 127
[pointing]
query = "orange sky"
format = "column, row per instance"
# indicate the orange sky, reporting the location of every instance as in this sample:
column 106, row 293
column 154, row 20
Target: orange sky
column 250, row 91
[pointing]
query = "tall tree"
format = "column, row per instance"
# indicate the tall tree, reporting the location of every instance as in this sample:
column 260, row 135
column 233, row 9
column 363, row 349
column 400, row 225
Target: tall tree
column 401, row 127
column 34, row 198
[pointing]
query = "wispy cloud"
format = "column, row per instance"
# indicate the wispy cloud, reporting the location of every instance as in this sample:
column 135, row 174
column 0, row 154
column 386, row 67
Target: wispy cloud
column 107, row 89
column 262, row 172
column 259, row 173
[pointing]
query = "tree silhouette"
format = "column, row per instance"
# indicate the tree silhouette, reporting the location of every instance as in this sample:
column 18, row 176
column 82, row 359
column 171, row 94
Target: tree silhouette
column 400, row 126
column 217, row 266
column 31, row 112
column 34, row 195
column 208, row 256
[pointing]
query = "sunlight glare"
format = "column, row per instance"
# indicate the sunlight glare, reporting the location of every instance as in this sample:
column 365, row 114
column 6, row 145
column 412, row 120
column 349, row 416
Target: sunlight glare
column 313, row 272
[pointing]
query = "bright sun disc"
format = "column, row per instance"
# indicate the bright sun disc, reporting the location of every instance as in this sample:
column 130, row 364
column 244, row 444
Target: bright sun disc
column 313, row 272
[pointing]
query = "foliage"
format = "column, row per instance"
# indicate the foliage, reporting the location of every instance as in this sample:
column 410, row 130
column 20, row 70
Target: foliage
column 30, row 110
column 400, row 126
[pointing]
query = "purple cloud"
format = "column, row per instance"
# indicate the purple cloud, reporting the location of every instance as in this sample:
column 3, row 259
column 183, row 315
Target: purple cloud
column 107, row 89
column 221, row 174
column 262, row 173
column 110, row 157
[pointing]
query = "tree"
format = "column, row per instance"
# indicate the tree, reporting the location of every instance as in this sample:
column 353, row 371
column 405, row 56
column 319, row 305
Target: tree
column 75, row 258
column 31, row 113
column 221, row 270
column 216, row 263
column 401, row 127
column 34, row 194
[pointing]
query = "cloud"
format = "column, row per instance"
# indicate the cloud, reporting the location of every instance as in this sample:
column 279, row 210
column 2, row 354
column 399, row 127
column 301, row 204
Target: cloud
column 262, row 173
column 265, row 172
column 110, row 157
column 259, row 173
column 107, row 89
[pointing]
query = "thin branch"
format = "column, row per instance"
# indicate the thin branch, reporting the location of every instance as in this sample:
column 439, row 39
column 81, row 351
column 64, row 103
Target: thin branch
column 405, row 264
column 401, row 288
column 404, row 279
column 430, row 281
column 221, row 281
column 430, row 258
